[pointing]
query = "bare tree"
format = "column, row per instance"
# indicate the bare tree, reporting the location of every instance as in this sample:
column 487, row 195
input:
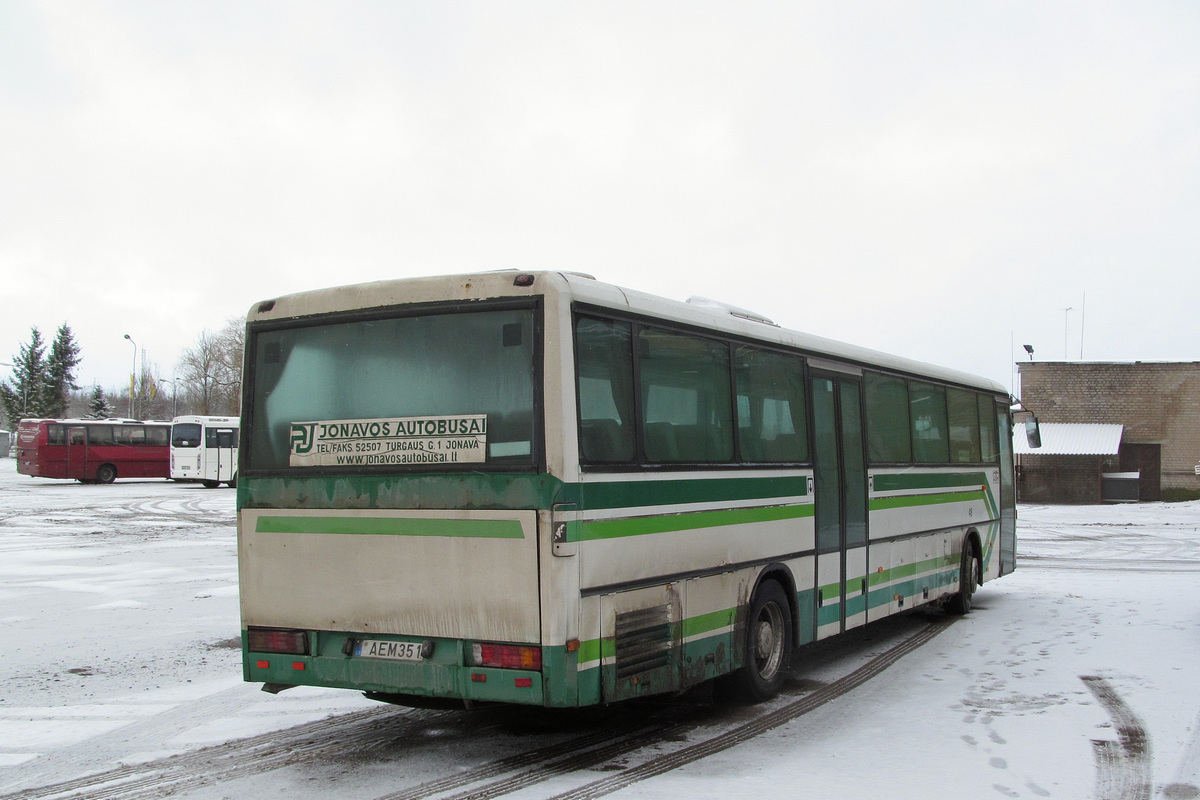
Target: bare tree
column 211, row 370
column 232, row 347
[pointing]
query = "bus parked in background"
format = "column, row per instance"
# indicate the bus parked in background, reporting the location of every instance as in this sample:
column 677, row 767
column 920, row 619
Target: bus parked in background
column 93, row 451
column 204, row 449
column 539, row 488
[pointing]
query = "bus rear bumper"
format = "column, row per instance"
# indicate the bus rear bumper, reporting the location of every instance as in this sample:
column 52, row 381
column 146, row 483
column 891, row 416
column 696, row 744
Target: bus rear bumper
column 445, row 674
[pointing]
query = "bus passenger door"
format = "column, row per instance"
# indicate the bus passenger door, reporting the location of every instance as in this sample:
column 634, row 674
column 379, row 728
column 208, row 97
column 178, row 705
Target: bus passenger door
column 841, row 513
column 76, row 452
column 1008, row 494
column 225, row 449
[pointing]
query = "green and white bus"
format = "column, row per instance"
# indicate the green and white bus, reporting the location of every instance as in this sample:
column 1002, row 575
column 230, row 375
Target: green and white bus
column 539, row 488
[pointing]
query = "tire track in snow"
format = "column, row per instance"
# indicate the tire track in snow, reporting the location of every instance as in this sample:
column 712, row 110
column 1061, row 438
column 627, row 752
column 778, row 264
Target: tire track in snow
column 761, row 724
column 166, row 776
column 1186, row 783
column 1123, row 767
column 673, row 731
column 377, row 729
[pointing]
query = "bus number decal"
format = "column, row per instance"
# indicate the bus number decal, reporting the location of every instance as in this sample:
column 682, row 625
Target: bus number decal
column 397, row 440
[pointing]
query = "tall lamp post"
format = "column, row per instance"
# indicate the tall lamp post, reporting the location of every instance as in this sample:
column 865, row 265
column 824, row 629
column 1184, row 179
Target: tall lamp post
column 132, row 375
column 1066, row 332
column 174, row 395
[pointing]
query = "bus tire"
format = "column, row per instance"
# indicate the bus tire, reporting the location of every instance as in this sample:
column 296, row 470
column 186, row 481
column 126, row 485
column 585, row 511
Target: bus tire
column 211, row 484
column 961, row 602
column 232, row 482
column 106, row 473
column 766, row 647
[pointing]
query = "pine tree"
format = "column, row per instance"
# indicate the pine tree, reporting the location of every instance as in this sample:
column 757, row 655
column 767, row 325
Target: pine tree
column 98, row 405
column 60, row 371
column 26, row 398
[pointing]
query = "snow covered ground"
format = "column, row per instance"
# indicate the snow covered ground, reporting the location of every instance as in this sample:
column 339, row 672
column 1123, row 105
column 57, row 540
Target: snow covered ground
column 1074, row 677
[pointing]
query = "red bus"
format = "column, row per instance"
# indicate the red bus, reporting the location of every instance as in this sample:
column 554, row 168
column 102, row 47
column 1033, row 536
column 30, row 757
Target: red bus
column 93, row 450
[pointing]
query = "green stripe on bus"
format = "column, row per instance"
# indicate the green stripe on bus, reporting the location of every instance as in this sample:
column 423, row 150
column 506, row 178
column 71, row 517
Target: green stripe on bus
column 706, row 623
column 937, row 480
column 915, row 500
column 641, row 526
column 589, row 651
column 595, row 649
column 505, row 490
column 393, row 526
column 631, row 494
column 475, row 490
column 927, row 480
column 832, row 591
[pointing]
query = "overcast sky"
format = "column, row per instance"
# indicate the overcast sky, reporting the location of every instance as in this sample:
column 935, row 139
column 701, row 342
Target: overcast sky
column 940, row 180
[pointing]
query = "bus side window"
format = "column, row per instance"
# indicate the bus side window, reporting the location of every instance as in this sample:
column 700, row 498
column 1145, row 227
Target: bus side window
column 100, row 434
column 888, row 436
column 989, row 443
column 685, row 383
column 771, row 412
column 964, row 426
column 931, row 444
column 604, row 362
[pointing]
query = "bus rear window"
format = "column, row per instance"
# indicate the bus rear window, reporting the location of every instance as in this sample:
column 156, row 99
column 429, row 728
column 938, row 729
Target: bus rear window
column 440, row 390
column 185, row 434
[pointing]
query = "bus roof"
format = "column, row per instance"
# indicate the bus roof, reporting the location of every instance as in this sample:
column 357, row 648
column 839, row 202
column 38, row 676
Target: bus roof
column 96, row 421
column 583, row 288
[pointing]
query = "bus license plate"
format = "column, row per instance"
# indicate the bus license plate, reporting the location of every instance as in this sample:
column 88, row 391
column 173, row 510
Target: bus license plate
column 400, row 651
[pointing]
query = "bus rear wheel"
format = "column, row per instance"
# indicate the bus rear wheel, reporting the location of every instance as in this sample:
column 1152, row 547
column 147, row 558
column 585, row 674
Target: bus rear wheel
column 766, row 648
column 106, row 473
column 211, row 484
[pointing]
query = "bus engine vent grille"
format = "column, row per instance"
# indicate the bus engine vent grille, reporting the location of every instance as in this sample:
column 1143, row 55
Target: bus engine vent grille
column 643, row 640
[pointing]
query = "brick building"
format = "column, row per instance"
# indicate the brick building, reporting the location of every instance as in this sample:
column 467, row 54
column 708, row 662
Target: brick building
column 1158, row 403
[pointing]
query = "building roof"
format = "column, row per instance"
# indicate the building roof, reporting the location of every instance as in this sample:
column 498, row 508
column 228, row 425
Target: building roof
column 1072, row 439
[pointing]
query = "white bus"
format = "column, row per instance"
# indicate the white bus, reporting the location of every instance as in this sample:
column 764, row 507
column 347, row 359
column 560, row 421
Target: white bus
column 539, row 488
column 205, row 449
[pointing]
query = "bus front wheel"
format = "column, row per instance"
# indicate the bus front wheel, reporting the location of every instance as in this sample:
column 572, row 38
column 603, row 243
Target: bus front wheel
column 968, row 573
column 766, row 647
column 106, row 473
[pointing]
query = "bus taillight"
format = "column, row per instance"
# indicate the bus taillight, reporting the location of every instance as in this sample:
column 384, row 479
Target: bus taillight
column 264, row 640
column 506, row 656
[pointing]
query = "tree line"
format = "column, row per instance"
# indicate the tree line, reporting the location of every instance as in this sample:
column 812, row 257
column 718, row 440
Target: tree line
column 206, row 380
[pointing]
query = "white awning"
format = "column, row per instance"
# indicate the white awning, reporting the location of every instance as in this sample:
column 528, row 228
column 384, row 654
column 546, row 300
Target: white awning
column 1071, row 439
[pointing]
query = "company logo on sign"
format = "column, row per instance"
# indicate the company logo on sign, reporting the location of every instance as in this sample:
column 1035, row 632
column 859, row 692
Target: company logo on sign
column 399, row 440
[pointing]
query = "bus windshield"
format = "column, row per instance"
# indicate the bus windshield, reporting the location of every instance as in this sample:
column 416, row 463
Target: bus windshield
column 442, row 389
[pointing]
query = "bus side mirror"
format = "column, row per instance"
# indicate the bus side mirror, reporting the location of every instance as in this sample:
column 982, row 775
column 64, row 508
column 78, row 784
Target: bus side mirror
column 1033, row 434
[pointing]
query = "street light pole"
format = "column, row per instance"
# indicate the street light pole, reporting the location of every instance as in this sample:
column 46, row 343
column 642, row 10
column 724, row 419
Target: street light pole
column 132, row 375
column 174, row 395
column 1066, row 332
